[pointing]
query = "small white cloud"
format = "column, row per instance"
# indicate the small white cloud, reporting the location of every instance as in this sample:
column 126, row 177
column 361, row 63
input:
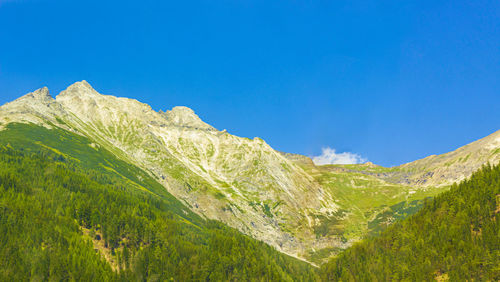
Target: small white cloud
column 329, row 156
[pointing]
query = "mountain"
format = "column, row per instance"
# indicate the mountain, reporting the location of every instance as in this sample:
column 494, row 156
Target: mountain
column 97, row 218
column 242, row 182
column 453, row 237
column 307, row 211
column 452, row 167
column 440, row 170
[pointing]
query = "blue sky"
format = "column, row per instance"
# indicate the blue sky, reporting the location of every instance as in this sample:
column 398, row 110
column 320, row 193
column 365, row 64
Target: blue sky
column 392, row 81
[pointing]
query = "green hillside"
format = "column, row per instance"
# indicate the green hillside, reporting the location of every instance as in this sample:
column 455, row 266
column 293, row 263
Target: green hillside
column 87, row 155
column 456, row 236
column 71, row 211
column 87, row 193
column 311, row 212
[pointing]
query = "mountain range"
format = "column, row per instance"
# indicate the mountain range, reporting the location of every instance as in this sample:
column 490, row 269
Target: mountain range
column 304, row 210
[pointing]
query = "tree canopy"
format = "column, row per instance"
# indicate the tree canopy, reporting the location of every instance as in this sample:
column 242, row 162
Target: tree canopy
column 455, row 236
column 60, row 221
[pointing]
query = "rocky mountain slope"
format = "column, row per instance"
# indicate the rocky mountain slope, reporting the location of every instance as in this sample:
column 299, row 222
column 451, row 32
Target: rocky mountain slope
column 283, row 199
column 97, row 218
column 455, row 166
column 454, row 237
column 242, row 182
column 438, row 170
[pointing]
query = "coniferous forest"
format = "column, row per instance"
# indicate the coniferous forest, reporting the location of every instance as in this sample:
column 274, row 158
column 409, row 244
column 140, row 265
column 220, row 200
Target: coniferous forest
column 249, row 141
column 60, row 222
column 456, row 236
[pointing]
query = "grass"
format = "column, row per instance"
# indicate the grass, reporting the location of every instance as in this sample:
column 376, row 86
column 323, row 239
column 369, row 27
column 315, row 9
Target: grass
column 364, row 168
column 393, row 213
column 31, row 138
column 330, row 225
column 367, row 202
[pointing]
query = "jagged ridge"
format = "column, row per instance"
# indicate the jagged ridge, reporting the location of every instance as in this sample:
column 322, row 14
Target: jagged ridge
column 282, row 199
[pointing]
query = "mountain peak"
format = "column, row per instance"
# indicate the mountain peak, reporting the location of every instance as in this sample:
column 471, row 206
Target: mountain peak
column 41, row 93
column 185, row 117
column 183, row 110
column 36, row 107
column 370, row 164
column 79, row 88
column 81, row 84
column 39, row 96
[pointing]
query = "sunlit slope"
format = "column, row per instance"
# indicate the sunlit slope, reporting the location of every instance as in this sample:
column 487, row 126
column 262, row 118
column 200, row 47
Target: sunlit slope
column 30, row 138
column 60, row 220
column 440, row 170
column 452, row 167
column 367, row 204
column 371, row 197
column 304, row 210
column 453, row 237
column 240, row 181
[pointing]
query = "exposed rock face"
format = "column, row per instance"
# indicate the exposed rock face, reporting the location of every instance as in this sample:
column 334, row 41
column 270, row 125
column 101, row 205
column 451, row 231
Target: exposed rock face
column 280, row 198
column 242, row 182
column 185, row 117
column 37, row 107
column 455, row 166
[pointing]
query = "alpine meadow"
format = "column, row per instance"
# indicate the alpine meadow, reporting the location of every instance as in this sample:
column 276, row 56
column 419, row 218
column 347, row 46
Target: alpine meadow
column 249, row 140
column 100, row 187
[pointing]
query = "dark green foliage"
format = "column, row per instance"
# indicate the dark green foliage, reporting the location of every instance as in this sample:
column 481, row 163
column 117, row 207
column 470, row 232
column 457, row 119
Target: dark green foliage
column 393, row 213
column 330, row 225
column 47, row 201
column 455, row 236
column 79, row 150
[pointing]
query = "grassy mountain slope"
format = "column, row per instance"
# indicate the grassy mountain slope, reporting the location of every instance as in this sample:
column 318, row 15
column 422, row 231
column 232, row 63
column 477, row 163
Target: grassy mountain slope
column 456, row 236
column 371, row 197
column 439, row 171
column 241, row 182
column 451, row 167
column 88, row 155
column 61, row 220
column 307, row 211
column 367, row 204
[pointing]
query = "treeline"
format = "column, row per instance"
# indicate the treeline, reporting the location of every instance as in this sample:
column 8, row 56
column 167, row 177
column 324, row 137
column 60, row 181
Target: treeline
column 456, row 236
column 60, row 222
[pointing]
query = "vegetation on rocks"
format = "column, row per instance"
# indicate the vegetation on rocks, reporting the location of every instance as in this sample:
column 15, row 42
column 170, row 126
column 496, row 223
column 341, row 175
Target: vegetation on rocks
column 285, row 200
column 455, row 236
column 60, row 221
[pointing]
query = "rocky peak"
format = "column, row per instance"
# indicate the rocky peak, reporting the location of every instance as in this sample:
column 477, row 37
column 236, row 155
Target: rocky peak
column 37, row 98
column 185, row 117
column 36, row 107
column 183, row 111
column 78, row 89
column 39, row 95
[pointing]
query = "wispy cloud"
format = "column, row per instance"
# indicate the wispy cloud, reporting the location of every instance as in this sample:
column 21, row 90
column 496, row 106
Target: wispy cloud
column 330, row 156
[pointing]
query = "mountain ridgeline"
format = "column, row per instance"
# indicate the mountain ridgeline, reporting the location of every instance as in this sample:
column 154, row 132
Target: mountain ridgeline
column 454, row 237
column 186, row 171
column 242, row 182
column 77, row 219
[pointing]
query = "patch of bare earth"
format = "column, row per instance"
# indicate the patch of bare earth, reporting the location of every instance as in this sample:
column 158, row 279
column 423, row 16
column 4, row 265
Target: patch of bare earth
column 100, row 246
column 498, row 204
column 440, row 276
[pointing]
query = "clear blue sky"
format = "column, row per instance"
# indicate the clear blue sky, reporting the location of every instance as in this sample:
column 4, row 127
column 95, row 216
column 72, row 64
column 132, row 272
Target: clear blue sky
column 390, row 80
